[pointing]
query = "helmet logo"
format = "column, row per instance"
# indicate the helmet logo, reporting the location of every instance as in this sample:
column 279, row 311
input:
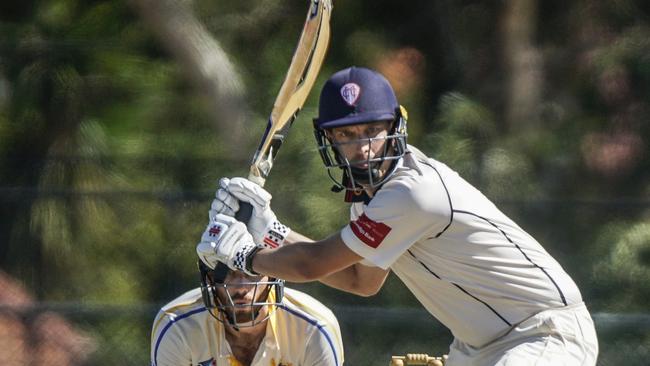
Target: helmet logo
column 350, row 93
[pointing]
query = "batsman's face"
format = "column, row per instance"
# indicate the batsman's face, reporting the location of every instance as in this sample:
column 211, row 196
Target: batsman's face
column 242, row 294
column 360, row 143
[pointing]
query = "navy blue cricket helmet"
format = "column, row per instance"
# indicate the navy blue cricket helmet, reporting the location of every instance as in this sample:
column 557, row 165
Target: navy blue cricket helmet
column 353, row 96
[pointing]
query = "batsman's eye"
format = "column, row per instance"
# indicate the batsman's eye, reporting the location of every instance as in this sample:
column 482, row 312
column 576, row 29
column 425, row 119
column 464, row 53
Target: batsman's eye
column 340, row 134
column 376, row 128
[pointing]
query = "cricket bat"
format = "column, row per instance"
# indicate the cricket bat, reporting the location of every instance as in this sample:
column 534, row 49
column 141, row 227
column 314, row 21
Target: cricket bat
column 299, row 80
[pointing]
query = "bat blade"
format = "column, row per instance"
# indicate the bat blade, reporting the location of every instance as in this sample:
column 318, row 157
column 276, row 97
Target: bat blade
column 299, row 80
column 305, row 65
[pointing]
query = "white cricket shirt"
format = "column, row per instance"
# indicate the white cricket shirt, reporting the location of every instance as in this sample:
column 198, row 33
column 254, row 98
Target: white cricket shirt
column 471, row 267
column 301, row 332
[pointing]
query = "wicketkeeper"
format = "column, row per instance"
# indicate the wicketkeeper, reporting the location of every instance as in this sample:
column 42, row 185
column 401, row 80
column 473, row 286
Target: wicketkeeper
column 235, row 319
column 504, row 298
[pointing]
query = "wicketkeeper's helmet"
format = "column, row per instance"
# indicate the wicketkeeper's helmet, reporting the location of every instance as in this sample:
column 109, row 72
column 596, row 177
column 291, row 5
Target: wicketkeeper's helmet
column 224, row 309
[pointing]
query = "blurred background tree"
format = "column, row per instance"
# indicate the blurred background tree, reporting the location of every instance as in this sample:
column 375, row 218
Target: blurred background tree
column 117, row 118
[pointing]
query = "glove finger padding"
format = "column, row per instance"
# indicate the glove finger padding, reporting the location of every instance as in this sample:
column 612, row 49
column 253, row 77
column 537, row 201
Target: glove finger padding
column 206, row 252
column 247, row 191
column 226, row 240
column 223, row 182
column 206, row 249
column 224, row 203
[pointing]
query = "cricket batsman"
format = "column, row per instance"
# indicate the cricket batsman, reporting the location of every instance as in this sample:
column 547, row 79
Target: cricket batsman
column 504, row 298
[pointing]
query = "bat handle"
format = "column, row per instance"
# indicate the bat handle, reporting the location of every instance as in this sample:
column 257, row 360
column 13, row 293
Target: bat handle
column 245, row 212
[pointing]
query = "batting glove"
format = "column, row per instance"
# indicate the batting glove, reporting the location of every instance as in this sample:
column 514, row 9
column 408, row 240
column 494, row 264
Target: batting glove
column 224, row 202
column 267, row 231
column 226, row 240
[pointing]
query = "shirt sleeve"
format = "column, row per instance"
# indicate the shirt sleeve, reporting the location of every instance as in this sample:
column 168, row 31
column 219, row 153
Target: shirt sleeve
column 356, row 210
column 168, row 348
column 402, row 212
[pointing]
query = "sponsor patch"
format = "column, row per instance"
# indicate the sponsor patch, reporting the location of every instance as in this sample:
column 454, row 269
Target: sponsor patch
column 370, row 232
column 350, row 93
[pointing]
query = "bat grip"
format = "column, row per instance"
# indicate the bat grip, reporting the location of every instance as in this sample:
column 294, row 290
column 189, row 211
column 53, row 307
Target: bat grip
column 246, row 209
column 245, row 212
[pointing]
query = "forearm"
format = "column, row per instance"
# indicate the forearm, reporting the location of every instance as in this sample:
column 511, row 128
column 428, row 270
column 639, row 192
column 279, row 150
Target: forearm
column 292, row 263
column 295, row 237
column 357, row 279
column 303, row 260
column 345, row 279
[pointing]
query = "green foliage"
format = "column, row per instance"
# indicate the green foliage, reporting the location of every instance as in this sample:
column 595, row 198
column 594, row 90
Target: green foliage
column 465, row 129
column 623, row 273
